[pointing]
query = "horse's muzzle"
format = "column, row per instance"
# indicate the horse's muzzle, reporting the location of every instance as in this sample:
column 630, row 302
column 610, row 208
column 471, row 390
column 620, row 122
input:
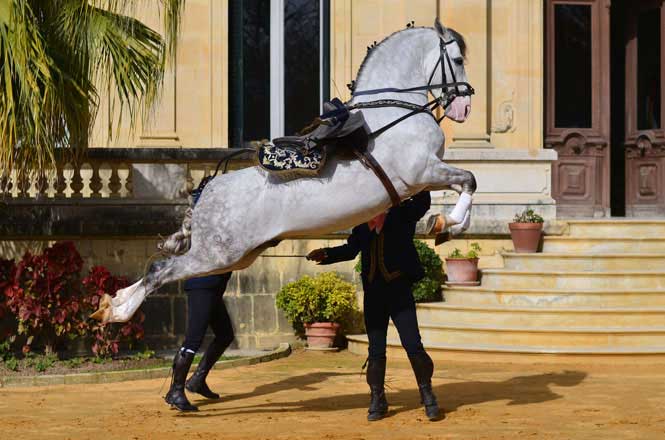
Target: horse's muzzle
column 459, row 109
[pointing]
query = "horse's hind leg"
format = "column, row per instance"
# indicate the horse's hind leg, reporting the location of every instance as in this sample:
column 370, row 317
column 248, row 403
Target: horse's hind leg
column 159, row 273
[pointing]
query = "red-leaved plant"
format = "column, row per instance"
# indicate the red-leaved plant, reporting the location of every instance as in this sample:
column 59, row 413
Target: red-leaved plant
column 7, row 268
column 45, row 296
column 51, row 302
column 107, row 338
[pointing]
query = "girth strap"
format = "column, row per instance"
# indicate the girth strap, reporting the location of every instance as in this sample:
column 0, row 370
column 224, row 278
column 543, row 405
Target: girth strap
column 368, row 161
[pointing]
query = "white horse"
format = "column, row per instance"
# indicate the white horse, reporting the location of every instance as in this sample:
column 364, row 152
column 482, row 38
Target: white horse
column 241, row 213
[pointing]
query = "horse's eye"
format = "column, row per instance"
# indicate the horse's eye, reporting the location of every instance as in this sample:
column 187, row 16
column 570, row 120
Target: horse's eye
column 459, row 61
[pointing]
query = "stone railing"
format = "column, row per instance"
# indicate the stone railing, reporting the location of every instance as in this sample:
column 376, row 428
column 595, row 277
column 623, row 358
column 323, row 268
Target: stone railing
column 120, row 173
column 109, row 192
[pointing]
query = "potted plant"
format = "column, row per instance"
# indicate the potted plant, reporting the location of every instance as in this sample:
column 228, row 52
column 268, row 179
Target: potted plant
column 525, row 230
column 318, row 305
column 462, row 268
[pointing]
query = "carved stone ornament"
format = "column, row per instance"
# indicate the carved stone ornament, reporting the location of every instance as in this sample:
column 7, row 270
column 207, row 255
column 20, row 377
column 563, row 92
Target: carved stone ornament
column 505, row 117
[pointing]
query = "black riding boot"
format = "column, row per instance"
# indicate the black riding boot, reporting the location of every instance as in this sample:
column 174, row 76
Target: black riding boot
column 176, row 394
column 423, row 368
column 197, row 383
column 378, row 405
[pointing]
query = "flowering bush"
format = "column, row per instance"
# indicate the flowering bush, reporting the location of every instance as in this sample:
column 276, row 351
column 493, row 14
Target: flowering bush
column 44, row 294
column 51, row 302
column 7, row 268
column 107, row 338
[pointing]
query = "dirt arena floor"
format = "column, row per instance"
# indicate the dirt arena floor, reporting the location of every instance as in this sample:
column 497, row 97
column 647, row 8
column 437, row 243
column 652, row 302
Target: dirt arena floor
column 323, row 396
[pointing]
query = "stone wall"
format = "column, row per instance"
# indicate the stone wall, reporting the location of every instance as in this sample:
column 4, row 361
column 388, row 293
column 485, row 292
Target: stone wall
column 250, row 296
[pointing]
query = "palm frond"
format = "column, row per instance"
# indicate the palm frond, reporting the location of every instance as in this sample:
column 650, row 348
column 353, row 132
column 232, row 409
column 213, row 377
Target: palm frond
column 54, row 55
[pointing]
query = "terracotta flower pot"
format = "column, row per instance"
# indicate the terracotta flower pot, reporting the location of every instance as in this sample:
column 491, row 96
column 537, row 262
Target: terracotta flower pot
column 462, row 271
column 321, row 334
column 526, row 236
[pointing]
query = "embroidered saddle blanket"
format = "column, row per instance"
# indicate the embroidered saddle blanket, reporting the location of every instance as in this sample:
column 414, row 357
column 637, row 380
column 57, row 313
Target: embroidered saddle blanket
column 305, row 155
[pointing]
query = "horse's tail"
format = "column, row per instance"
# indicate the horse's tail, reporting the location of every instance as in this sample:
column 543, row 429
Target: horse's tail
column 179, row 242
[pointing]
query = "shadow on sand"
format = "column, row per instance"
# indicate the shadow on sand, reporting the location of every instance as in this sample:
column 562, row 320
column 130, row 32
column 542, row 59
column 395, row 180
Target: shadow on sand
column 520, row 390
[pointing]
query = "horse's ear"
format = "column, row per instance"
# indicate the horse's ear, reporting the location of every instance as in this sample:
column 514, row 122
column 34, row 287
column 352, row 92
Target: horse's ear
column 440, row 29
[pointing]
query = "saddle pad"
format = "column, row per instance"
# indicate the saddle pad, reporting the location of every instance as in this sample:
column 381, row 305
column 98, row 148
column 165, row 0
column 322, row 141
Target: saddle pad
column 291, row 161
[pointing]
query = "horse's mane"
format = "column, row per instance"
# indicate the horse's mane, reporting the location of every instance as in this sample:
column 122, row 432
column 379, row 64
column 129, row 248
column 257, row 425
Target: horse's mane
column 371, row 50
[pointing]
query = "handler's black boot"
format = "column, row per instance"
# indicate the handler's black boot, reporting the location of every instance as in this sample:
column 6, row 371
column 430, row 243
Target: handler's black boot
column 197, row 383
column 176, row 395
column 423, row 368
column 378, row 405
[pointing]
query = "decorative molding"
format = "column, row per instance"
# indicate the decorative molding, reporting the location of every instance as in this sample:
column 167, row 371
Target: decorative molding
column 645, row 146
column 505, row 117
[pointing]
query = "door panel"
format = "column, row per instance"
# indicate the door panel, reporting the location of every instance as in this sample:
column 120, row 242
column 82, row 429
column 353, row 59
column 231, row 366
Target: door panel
column 645, row 120
column 578, row 105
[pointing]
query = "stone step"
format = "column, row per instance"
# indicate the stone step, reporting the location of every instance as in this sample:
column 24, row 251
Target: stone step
column 515, row 279
column 520, row 353
column 609, row 245
column 559, row 338
column 501, row 316
column 638, row 228
column 550, row 298
column 593, row 262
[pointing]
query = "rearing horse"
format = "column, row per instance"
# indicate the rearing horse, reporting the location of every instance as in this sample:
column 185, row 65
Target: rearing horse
column 240, row 214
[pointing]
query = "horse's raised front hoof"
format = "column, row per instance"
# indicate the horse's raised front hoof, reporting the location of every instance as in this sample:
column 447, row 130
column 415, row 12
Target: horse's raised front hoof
column 103, row 313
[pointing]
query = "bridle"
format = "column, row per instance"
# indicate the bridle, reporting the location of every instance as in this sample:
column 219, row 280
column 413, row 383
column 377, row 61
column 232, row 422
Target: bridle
column 449, row 91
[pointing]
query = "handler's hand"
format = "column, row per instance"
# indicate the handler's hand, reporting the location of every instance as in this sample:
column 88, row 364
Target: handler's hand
column 317, row 255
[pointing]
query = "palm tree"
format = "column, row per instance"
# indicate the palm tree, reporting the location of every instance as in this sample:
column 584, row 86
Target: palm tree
column 55, row 58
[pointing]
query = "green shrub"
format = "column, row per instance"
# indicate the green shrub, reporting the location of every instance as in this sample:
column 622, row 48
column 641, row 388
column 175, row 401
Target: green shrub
column 528, row 216
column 12, row 364
column 324, row 298
column 429, row 288
column 473, row 252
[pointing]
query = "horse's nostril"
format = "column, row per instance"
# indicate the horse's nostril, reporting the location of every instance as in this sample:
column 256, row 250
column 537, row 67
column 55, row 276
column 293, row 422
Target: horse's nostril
column 467, row 110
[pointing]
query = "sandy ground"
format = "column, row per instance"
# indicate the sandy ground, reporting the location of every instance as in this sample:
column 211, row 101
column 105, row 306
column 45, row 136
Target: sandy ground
column 323, row 396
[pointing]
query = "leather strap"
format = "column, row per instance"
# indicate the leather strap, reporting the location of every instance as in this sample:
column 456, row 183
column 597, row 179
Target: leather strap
column 368, row 160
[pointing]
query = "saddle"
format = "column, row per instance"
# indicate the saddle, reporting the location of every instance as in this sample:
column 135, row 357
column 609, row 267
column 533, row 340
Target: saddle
column 337, row 131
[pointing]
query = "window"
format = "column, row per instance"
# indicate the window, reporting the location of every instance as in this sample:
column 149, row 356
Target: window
column 648, row 70
column 278, row 66
column 572, row 64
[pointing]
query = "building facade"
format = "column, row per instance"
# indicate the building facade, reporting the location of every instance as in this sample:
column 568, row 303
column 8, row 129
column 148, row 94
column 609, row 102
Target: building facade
column 566, row 119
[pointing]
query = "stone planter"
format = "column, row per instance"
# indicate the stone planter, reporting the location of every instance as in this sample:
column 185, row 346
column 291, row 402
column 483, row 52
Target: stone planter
column 526, row 236
column 462, row 271
column 321, row 335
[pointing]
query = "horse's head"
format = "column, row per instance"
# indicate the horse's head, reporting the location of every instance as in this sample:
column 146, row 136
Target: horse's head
column 446, row 63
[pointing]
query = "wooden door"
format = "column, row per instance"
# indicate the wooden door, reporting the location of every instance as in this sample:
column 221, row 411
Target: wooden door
column 645, row 120
column 577, row 112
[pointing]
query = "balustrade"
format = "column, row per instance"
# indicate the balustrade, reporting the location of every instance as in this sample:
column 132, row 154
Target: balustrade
column 109, row 174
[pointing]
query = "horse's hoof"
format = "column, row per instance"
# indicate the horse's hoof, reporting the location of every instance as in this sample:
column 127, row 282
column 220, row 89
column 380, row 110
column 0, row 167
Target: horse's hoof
column 103, row 313
column 105, row 301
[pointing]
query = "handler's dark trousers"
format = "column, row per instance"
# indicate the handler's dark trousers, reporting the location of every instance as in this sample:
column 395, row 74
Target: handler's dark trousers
column 206, row 307
column 383, row 301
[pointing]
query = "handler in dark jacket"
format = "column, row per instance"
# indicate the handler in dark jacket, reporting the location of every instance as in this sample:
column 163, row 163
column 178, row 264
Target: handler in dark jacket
column 390, row 265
